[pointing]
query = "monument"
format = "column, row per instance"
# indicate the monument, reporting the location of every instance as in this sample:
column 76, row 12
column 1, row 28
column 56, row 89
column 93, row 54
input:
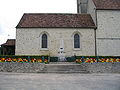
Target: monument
column 61, row 53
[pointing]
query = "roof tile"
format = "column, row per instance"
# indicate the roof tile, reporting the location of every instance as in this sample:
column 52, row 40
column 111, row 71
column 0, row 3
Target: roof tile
column 107, row 4
column 9, row 42
column 37, row 20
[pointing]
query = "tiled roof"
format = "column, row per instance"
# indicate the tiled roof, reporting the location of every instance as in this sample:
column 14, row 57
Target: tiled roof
column 37, row 20
column 107, row 4
column 9, row 42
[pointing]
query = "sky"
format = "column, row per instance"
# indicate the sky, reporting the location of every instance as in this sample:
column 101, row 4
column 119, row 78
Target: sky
column 11, row 12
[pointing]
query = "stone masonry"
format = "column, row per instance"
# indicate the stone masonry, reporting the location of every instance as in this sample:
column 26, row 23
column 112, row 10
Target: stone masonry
column 58, row 68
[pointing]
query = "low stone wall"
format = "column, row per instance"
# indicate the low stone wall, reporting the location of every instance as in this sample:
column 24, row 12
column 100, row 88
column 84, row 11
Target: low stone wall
column 40, row 67
column 21, row 67
column 102, row 67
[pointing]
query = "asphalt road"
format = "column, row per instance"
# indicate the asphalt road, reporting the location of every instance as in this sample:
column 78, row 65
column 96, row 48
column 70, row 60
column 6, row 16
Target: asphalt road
column 37, row 81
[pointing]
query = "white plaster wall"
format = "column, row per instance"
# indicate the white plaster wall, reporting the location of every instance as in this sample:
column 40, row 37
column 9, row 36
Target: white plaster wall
column 28, row 41
column 92, row 10
column 108, row 32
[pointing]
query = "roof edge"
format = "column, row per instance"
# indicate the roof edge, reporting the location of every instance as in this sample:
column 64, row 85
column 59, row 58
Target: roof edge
column 97, row 7
column 107, row 9
column 20, row 20
column 4, row 44
column 57, row 27
column 54, row 13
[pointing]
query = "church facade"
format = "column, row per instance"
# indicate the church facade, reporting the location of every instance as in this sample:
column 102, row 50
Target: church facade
column 93, row 31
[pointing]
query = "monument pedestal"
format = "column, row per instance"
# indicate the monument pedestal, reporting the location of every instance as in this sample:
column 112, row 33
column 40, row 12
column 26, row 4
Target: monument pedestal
column 61, row 53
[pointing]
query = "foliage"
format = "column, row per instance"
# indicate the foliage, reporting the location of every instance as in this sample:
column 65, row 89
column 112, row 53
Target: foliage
column 70, row 59
column 47, row 59
column 95, row 59
column 12, row 58
column 0, row 50
column 53, row 59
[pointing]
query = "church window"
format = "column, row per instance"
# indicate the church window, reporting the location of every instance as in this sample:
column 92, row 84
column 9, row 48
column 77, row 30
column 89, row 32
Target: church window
column 76, row 41
column 44, row 41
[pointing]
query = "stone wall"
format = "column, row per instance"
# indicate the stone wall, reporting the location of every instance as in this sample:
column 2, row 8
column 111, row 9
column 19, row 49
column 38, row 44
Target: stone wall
column 103, row 67
column 108, row 33
column 21, row 67
column 28, row 41
column 92, row 11
column 39, row 68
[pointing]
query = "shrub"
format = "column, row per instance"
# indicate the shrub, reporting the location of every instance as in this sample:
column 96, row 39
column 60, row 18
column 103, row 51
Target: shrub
column 53, row 59
column 70, row 59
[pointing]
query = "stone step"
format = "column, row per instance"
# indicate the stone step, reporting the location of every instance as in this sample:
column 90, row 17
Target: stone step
column 62, row 63
column 84, row 72
column 64, row 67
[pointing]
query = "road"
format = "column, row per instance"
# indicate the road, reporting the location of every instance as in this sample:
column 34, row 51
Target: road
column 50, row 81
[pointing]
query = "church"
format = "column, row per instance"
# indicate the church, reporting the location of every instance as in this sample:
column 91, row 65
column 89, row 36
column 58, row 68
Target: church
column 93, row 31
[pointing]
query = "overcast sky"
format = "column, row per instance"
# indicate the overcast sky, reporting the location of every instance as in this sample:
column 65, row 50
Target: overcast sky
column 11, row 12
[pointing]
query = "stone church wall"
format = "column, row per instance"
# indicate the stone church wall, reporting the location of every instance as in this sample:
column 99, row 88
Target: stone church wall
column 28, row 41
column 108, row 32
column 92, row 10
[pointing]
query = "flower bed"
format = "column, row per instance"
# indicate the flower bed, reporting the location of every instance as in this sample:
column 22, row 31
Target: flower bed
column 39, row 59
column 102, row 59
column 44, row 59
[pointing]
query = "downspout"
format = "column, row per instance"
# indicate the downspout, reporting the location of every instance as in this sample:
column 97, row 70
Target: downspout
column 95, row 42
column 95, row 34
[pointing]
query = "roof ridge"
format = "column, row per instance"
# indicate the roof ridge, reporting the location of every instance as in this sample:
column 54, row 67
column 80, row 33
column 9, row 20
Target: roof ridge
column 55, row 14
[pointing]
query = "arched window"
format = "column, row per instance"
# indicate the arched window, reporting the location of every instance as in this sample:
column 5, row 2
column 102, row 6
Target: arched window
column 76, row 41
column 44, row 41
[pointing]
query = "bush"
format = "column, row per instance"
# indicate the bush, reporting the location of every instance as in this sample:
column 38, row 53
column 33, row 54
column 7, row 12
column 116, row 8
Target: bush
column 53, row 59
column 70, row 59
